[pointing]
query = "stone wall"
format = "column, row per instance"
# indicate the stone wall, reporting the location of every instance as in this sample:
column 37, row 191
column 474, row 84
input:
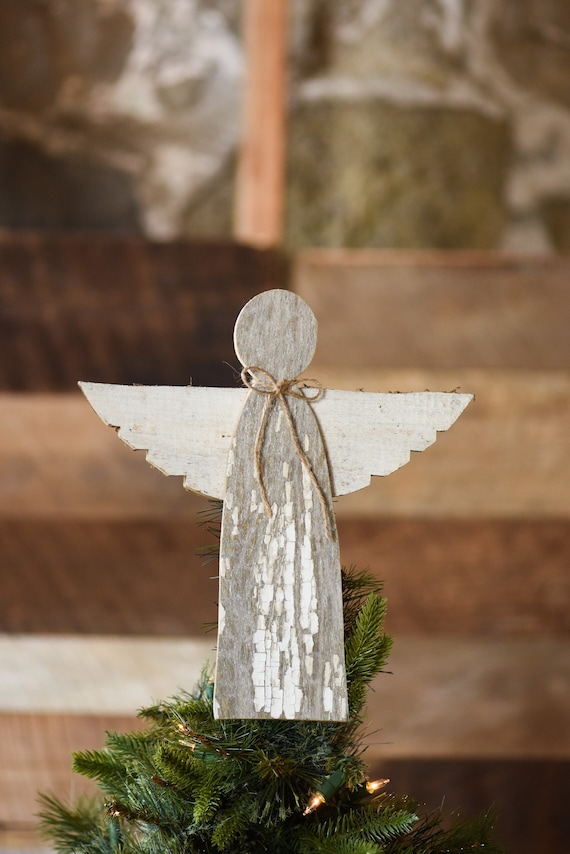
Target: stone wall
column 413, row 123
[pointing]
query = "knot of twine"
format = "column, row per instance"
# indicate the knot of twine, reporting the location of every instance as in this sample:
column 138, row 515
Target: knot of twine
column 278, row 390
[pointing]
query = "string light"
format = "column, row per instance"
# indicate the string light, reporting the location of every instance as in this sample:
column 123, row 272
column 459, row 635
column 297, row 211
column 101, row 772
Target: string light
column 315, row 803
column 327, row 789
column 373, row 785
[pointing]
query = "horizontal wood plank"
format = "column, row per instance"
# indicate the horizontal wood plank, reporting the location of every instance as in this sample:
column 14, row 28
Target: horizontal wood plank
column 454, row 577
column 529, row 796
column 107, row 675
column 127, row 578
column 507, row 457
column 470, row 698
column 397, row 309
column 463, row 577
column 123, row 309
column 35, row 756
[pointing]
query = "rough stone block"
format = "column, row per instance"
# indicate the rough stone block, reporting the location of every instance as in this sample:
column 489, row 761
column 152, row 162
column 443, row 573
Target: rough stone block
column 375, row 174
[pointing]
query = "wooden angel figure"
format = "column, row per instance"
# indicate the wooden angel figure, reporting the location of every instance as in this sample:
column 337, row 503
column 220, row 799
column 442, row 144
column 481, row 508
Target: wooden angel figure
column 276, row 452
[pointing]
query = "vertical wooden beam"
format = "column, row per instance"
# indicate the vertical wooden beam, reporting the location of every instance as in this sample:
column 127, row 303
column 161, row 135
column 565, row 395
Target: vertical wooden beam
column 260, row 175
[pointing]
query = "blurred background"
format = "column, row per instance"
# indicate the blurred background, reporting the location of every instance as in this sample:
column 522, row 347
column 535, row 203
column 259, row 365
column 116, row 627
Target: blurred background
column 405, row 167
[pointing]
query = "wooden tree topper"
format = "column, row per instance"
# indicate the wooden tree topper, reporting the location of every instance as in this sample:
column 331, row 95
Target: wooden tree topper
column 276, row 452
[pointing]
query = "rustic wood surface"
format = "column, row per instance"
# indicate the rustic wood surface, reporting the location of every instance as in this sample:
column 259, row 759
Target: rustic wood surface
column 469, row 698
column 261, row 161
column 510, row 449
column 189, row 431
column 35, row 756
column 530, row 797
column 121, row 309
column 482, row 559
column 485, row 578
column 71, row 674
column 441, row 310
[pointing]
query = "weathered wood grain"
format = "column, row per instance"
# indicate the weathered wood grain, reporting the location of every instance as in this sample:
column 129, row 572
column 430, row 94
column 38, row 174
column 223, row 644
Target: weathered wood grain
column 107, row 578
column 473, row 698
column 507, row 457
column 530, row 796
column 510, row 453
column 57, row 461
column 458, row 577
column 84, row 674
column 35, row 756
column 189, row 431
column 441, row 310
column 449, row 577
column 122, row 309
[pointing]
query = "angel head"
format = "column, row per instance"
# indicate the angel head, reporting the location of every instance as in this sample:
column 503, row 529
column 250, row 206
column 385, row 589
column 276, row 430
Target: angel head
column 276, row 331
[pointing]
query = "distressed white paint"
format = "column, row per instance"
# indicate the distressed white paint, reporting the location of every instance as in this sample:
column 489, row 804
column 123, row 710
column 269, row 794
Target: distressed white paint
column 187, row 431
column 280, row 632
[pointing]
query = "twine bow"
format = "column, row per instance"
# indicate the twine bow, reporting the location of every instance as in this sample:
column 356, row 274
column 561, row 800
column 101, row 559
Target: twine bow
column 277, row 390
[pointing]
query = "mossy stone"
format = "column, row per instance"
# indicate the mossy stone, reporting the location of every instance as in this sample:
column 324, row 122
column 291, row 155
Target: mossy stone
column 532, row 42
column 376, row 174
column 556, row 216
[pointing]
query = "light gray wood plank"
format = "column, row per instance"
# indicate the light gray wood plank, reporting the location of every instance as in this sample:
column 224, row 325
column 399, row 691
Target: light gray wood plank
column 437, row 309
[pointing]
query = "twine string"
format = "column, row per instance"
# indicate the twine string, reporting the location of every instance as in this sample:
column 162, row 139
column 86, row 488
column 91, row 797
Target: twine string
column 278, row 391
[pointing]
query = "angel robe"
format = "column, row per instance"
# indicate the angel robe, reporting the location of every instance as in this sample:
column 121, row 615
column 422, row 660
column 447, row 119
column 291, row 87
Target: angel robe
column 279, row 634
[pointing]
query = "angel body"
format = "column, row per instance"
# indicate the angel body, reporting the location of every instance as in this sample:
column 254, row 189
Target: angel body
column 276, row 460
column 285, row 609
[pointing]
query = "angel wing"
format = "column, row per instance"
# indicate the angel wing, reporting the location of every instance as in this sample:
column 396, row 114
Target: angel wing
column 185, row 430
column 373, row 434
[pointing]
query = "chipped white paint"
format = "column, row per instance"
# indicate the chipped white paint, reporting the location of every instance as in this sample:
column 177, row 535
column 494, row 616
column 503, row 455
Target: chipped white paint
column 280, row 629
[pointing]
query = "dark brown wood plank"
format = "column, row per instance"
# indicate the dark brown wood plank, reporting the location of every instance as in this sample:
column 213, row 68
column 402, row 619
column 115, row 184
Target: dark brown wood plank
column 35, row 756
column 133, row 578
column 441, row 577
column 122, row 309
column 461, row 577
column 387, row 308
column 531, row 797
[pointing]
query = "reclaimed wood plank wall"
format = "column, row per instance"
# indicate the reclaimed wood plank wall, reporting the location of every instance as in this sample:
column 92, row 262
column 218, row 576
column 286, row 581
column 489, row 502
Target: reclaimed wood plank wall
column 472, row 539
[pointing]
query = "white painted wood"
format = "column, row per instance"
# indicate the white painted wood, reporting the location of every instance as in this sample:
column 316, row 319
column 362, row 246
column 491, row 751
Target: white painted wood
column 280, row 632
column 187, row 431
column 280, row 620
column 368, row 433
column 510, row 456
